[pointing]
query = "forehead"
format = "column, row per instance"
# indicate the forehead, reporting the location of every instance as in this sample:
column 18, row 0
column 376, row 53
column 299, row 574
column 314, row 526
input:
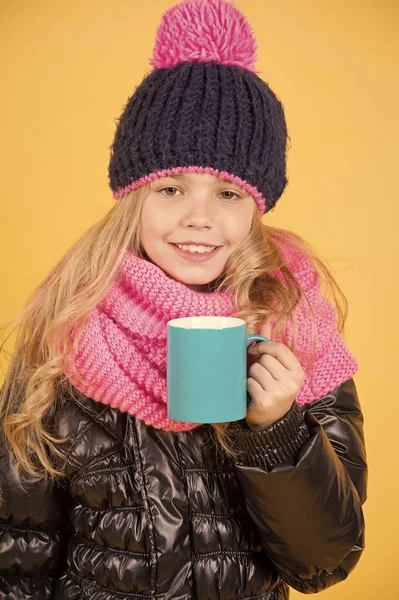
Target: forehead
column 200, row 178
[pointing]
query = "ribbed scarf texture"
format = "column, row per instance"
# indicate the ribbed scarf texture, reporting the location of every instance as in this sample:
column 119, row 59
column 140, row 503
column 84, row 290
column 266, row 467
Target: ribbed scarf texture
column 124, row 341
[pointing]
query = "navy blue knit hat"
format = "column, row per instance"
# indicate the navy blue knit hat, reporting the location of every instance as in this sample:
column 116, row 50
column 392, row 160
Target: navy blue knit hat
column 203, row 108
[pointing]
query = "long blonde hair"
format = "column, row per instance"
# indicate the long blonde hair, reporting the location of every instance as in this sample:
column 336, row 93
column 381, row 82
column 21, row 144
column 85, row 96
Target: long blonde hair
column 77, row 283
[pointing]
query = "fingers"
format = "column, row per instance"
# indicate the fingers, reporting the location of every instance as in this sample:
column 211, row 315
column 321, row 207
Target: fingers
column 262, row 375
column 279, row 351
column 278, row 360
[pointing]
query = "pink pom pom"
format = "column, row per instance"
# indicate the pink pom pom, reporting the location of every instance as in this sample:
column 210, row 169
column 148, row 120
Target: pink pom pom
column 204, row 31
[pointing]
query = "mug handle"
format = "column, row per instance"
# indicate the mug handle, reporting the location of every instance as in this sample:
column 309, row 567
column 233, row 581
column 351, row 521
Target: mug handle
column 255, row 338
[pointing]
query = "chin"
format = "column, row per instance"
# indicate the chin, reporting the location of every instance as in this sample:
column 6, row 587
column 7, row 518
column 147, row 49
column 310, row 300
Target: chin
column 201, row 285
column 195, row 281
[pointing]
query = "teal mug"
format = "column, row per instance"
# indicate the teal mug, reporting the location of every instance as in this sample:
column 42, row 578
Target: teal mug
column 207, row 369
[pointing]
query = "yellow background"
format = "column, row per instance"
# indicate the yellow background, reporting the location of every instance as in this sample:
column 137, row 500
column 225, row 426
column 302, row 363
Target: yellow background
column 67, row 71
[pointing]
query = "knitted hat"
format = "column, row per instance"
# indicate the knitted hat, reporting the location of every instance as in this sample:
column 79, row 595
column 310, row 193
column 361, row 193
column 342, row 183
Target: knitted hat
column 203, row 108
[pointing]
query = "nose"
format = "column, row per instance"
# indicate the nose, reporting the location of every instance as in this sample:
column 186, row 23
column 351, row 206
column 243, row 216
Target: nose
column 198, row 212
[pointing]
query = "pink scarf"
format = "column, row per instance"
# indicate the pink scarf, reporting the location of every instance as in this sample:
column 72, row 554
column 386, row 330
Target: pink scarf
column 125, row 339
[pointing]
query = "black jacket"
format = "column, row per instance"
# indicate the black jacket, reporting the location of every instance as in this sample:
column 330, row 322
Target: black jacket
column 145, row 514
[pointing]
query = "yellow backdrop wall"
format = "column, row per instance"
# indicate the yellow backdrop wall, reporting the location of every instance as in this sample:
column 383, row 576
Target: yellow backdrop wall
column 67, row 71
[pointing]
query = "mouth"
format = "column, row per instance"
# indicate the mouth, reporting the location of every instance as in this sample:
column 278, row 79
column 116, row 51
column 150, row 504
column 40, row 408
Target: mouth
column 196, row 253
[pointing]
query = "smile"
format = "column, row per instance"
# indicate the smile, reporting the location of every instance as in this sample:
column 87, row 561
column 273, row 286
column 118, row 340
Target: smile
column 196, row 253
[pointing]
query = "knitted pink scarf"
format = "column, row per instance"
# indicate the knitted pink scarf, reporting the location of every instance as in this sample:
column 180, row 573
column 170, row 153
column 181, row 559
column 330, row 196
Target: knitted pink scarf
column 124, row 340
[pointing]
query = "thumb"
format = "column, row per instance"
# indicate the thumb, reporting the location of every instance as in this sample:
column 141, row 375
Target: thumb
column 266, row 330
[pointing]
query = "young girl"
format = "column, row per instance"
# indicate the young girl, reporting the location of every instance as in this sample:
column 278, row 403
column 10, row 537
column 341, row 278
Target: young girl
column 103, row 495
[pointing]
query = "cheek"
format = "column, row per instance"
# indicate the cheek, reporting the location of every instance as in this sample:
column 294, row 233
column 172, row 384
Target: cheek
column 152, row 223
column 237, row 229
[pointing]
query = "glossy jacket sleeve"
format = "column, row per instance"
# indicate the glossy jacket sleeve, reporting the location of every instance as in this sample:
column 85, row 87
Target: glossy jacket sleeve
column 304, row 480
column 33, row 524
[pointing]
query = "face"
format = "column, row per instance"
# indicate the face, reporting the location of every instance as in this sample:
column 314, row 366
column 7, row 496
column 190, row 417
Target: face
column 191, row 223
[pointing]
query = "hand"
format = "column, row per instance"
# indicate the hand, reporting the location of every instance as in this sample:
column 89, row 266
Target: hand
column 274, row 380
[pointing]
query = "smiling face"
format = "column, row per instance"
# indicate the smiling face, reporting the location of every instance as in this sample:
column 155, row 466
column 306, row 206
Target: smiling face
column 208, row 216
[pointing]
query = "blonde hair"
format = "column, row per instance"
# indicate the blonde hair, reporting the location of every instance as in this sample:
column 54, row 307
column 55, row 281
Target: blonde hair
column 77, row 283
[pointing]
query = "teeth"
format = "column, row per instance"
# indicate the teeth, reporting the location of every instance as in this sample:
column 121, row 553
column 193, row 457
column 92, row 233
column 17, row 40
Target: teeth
column 199, row 249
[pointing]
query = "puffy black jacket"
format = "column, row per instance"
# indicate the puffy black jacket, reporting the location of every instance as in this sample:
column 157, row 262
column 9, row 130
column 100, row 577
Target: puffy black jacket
column 146, row 514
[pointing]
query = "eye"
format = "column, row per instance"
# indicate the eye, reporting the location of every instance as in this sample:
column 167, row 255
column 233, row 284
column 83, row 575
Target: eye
column 230, row 192
column 166, row 190
column 169, row 187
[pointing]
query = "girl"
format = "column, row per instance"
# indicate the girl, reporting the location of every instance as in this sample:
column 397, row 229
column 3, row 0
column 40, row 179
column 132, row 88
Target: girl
column 103, row 495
